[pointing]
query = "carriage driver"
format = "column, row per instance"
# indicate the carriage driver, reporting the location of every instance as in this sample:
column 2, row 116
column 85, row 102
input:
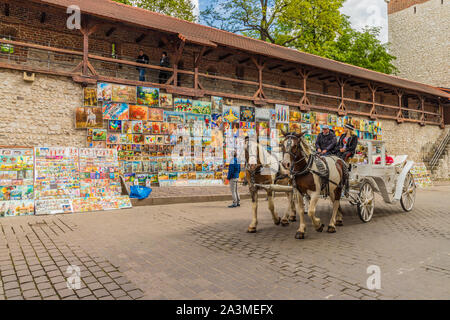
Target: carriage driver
column 326, row 141
column 347, row 144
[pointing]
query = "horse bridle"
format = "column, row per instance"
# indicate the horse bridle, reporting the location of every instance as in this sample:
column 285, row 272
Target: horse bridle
column 294, row 156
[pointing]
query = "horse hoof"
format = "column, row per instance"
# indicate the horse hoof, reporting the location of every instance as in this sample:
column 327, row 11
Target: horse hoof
column 277, row 223
column 284, row 223
column 331, row 229
column 339, row 223
column 300, row 235
column 320, row 229
column 251, row 230
column 292, row 219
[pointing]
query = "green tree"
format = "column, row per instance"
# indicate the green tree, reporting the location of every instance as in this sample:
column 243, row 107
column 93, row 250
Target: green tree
column 183, row 9
column 313, row 26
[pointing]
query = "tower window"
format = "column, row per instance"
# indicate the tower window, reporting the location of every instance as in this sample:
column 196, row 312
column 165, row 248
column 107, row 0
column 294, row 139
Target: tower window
column 415, row 9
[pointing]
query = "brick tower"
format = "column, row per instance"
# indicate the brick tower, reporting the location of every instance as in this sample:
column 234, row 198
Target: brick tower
column 419, row 36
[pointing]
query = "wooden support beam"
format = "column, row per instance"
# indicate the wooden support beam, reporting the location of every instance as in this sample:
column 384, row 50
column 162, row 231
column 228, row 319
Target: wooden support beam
column 178, row 53
column 86, row 30
column 441, row 111
column 140, row 38
column 110, row 31
column 342, row 109
column 373, row 110
column 399, row 116
column 422, row 107
column 197, row 60
column 223, row 57
column 304, row 101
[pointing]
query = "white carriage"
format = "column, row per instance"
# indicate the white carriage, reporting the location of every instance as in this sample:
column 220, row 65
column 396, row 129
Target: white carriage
column 394, row 182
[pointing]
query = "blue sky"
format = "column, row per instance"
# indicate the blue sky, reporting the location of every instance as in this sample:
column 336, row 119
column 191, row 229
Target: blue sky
column 361, row 12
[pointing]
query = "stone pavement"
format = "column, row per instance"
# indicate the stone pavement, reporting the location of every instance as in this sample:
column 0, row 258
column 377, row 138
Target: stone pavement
column 201, row 251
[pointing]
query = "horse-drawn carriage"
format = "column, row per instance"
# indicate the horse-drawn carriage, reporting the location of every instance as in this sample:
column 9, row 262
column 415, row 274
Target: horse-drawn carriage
column 392, row 181
column 311, row 176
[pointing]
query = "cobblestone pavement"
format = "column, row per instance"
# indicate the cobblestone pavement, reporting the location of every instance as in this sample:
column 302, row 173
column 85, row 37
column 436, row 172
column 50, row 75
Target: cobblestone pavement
column 201, row 251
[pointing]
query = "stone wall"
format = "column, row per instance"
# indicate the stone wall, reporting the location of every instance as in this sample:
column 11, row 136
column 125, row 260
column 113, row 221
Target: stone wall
column 420, row 41
column 39, row 113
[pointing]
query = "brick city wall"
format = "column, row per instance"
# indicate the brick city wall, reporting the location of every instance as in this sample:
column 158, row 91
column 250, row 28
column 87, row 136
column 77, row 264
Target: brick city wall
column 420, row 41
column 398, row 5
column 42, row 113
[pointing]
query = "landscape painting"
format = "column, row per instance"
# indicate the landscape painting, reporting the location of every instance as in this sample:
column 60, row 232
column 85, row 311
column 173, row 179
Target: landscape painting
column 148, row 96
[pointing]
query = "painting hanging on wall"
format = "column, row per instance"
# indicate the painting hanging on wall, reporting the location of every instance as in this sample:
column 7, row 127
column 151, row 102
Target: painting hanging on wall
column 88, row 117
column 115, row 111
column 321, row 118
column 123, row 93
column 216, row 104
column 183, row 104
column 90, row 97
column 99, row 135
column 166, row 100
column 247, row 114
column 231, row 114
column 174, row 117
column 282, row 113
column 262, row 115
column 156, row 114
column 104, row 91
column 115, row 126
column 148, row 96
column 273, row 118
column 138, row 112
column 201, row 107
column 113, row 138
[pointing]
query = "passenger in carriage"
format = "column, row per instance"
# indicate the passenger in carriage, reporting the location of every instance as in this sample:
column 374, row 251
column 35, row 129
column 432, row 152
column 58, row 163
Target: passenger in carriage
column 346, row 146
column 326, row 141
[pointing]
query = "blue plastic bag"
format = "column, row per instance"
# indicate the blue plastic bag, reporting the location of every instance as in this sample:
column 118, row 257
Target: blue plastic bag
column 139, row 192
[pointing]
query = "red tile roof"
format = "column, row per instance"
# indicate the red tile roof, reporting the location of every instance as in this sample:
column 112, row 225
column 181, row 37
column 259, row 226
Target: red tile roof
column 112, row 10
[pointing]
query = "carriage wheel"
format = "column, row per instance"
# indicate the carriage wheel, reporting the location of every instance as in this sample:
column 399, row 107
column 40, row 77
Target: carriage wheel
column 366, row 203
column 409, row 193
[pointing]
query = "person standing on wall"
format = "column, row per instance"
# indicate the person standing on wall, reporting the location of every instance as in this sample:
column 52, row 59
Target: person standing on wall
column 164, row 62
column 326, row 141
column 234, row 170
column 346, row 147
column 144, row 59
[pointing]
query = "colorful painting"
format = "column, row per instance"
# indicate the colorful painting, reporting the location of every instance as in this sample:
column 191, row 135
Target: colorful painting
column 99, row 135
column 126, row 138
column 183, row 104
column 113, row 138
column 88, row 117
column 332, row 120
column 231, row 114
column 273, row 118
column 166, row 100
column 115, row 126
column 247, row 114
column 216, row 120
column 174, row 117
column 138, row 139
column 104, row 91
column 295, row 115
column 156, row 114
column 148, row 96
column 123, row 93
column 216, row 104
column 201, row 107
column 146, row 127
column 282, row 113
column 127, row 127
column 321, row 118
column 306, row 117
column 115, row 111
column 16, row 208
column 295, row 127
column 90, row 97
column 156, row 127
column 138, row 112
column 137, row 126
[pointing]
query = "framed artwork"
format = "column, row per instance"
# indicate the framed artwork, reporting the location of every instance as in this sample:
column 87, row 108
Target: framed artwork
column 231, row 114
column 146, row 127
column 115, row 126
column 127, row 127
column 113, row 138
column 174, row 117
column 99, row 135
column 201, row 107
column 137, row 126
column 216, row 120
column 282, row 113
column 90, row 97
column 104, row 91
column 123, row 93
column 183, row 104
column 273, row 118
column 115, row 111
column 156, row 114
column 295, row 116
column 88, row 117
column 148, row 96
column 216, row 104
column 262, row 115
column 166, row 100
column 321, row 118
column 247, row 114
column 156, row 127
column 138, row 112
column 138, row 139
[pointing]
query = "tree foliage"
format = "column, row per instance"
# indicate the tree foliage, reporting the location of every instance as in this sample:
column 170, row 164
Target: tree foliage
column 183, row 9
column 313, row 26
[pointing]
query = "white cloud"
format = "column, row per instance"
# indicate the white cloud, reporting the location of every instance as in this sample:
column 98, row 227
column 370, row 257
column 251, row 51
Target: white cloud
column 368, row 13
column 196, row 3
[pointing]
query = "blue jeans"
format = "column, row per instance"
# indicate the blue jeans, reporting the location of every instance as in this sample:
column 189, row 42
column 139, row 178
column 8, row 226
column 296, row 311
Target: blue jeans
column 141, row 74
